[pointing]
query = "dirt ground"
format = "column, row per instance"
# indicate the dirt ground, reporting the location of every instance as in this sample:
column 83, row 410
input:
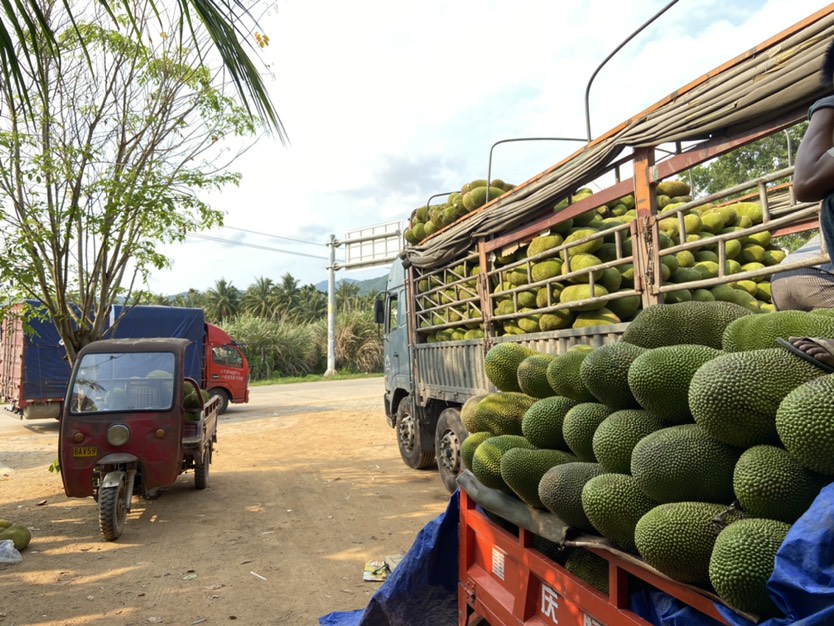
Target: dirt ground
column 302, row 492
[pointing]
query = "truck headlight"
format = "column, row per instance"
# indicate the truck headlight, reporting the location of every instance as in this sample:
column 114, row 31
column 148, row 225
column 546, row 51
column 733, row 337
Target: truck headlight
column 118, row 435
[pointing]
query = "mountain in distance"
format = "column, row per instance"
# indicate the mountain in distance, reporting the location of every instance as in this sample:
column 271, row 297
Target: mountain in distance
column 370, row 285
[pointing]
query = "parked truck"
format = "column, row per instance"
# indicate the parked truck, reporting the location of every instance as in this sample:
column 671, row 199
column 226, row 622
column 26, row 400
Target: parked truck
column 34, row 371
column 570, row 257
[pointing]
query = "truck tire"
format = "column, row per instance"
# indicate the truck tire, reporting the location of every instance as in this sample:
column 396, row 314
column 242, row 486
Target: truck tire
column 201, row 470
column 224, row 399
column 448, row 436
column 112, row 511
column 407, row 428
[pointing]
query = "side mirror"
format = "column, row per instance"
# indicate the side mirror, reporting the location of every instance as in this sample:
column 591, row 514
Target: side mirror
column 379, row 311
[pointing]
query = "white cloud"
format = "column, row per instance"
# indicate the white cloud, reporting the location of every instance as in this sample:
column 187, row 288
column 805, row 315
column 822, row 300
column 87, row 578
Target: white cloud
column 387, row 103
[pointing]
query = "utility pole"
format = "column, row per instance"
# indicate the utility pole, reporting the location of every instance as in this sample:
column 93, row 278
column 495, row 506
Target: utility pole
column 331, row 310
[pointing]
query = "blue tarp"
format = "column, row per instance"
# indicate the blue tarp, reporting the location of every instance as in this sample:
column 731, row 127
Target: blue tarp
column 422, row 590
column 45, row 367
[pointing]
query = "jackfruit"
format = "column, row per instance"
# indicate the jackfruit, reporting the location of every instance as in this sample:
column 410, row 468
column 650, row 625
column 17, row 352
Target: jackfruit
column 693, row 322
column 616, row 436
column 542, row 423
column 486, row 462
column 546, row 269
column 660, row 378
column 563, row 374
column 588, row 247
column 591, row 568
column 805, row 423
column 742, row 562
column 592, row 319
column 19, row 535
column 579, row 425
column 544, row 242
column 682, row 463
column 500, row 413
column 578, row 293
column 614, row 504
column 522, row 469
column 560, row 491
column 677, row 538
column 625, row 307
column 611, row 279
column 555, row 320
column 467, row 412
column 501, row 364
column 734, row 397
column 769, row 482
column 673, row 188
column 470, row 444
column 605, row 373
column 532, row 375
column 760, row 331
column 580, row 262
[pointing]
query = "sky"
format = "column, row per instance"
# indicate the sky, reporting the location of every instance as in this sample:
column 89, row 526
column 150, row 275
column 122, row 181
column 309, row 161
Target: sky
column 388, row 103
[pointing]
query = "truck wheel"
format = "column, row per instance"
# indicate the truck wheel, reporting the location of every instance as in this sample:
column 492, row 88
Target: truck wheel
column 112, row 511
column 408, row 438
column 201, row 470
column 224, row 399
column 448, row 436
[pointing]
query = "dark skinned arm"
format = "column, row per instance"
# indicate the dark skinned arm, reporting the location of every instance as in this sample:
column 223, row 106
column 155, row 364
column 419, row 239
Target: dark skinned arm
column 813, row 176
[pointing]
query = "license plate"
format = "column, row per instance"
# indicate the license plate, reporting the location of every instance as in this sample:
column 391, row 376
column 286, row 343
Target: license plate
column 84, row 451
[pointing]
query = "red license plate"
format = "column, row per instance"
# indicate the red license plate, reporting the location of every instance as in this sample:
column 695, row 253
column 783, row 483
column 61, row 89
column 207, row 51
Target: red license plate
column 84, row 451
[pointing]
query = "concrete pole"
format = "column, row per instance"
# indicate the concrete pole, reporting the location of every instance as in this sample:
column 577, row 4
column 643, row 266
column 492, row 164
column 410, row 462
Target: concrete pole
column 331, row 310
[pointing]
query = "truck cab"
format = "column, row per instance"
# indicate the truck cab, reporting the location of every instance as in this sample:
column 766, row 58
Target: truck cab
column 226, row 368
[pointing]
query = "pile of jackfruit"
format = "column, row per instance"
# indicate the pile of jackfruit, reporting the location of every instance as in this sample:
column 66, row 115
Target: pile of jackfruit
column 575, row 262
column 694, row 442
column 427, row 220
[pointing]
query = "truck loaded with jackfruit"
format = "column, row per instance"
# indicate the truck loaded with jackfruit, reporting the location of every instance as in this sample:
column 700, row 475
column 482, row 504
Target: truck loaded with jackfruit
column 593, row 357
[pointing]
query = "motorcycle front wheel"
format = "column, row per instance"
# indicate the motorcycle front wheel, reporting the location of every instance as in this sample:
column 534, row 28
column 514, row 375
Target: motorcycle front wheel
column 112, row 510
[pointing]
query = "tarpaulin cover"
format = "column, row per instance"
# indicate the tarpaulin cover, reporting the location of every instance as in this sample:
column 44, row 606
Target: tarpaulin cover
column 45, row 368
column 802, row 585
column 422, row 590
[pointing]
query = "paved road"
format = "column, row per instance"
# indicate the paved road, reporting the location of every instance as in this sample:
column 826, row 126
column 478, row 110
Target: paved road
column 264, row 401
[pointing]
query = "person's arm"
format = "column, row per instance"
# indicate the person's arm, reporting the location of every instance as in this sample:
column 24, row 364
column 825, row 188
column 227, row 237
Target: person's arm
column 813, row 176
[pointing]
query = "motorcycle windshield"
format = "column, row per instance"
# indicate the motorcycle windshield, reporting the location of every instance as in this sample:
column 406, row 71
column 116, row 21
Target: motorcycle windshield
column 123, row 381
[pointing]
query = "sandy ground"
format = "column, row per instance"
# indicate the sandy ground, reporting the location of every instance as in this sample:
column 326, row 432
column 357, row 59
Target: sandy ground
column 302, row 492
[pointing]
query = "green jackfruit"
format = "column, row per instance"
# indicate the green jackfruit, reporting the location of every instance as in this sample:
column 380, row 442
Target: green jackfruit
column 19, row 535
column 760, row 331
column 625, row 308
column 560, row 490
column 734, row 397
column 542, row 423
column 470, row 444
column 467, row 412
column 532, row 376
column 579, row 425
column 805, row 423
column 742, row 562
column 769, row 482
column 616, row 436
column 591, row 568
column 579, row 263
column 522, row 469
column 605, row 373
column 563, row 374
column 588, row 247
column 543, row 243
column 673, row 188
column 555, row 320
column 682, row 463
column 677, row 538
column 500, row 413
column 660, row 378
column 693, row 322
column 501, row 364
column 592, row 319
column 577, row 293
column 614, row 504
column 486, row 462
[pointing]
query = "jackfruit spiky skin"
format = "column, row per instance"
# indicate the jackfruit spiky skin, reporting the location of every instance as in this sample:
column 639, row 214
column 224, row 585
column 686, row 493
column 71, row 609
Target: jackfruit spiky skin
column 579, row 426
column 560, row 491
column 501, row 365
column 734, row 397
column 615, row 438
column 769, row 482
column 470, row 444
column 542, row 423
column 552, row 550
column 677, row 538
column 605, row 373
column 467, row 412
column 532, row 376
column 614, row 504
column 755, row 332
column 591, row 568
column 682, row 463
column 660, row 378
column 500, row 413
column 563, row 374
column 742, row 562
column 685, row 322
column 486, row 462
column 522, row 469
column 805, row 423
column 19, row 534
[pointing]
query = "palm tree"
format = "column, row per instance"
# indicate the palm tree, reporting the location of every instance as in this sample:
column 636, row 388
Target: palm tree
column 347, row 294
column 25, row 29
column 222, row 301
column 315, row 302
column 259, row 298
column 287, row 302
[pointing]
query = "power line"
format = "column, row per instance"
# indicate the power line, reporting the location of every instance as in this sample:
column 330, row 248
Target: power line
column 252, row 245
column 255, row 232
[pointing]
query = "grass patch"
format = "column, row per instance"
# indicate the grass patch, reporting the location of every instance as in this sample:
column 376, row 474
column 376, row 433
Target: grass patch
column 312, row 378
